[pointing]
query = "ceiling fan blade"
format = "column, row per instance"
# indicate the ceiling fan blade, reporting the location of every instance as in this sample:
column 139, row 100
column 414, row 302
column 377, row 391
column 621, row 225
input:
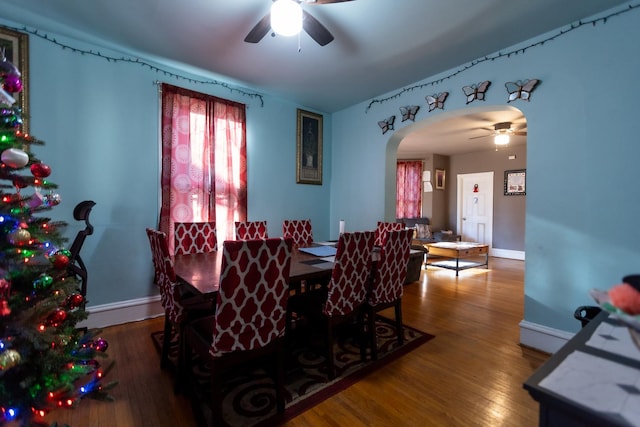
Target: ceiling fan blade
column 315, row 29
column 520, row 133
column 483, row 136
column 260, row 30
column 325, row 1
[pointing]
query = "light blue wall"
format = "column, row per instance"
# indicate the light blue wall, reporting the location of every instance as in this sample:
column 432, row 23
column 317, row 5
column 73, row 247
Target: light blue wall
column 583, row 148
column 100, row 123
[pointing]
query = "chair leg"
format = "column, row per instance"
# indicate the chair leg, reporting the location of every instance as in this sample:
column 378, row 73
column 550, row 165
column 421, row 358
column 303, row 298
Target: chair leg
column 331, row 367
column 373, row 341
column 399, row 327
column 166, row 343
column 280, row 379
column 216, row 395
column 362, row 331
column 182, row 356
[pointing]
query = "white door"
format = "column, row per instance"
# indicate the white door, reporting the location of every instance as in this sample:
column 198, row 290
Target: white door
column 475, row 207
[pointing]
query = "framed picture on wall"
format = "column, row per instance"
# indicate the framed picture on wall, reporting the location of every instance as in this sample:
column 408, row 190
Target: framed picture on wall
column 440, row 176
column 15, row 47
column 309, row 148
column 515, row 182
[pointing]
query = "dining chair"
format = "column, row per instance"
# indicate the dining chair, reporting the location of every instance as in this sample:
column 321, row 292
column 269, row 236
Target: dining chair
column 389, row 275
column 179, row 307
column 250, row 317
column 343, row 299
column 384, row 227
column 251, row 230
column 76, row 265
column 299, row 230
column 195, row 237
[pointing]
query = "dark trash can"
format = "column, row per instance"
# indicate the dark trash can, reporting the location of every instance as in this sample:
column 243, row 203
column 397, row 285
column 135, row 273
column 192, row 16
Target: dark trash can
column 585, row 313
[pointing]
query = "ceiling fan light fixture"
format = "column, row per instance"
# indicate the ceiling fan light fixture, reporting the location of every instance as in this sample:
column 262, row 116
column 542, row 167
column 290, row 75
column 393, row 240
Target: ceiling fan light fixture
column 501, row 139
column 286, row 17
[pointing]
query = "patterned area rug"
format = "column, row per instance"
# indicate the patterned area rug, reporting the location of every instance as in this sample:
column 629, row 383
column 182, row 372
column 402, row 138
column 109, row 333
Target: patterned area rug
column 249, row 392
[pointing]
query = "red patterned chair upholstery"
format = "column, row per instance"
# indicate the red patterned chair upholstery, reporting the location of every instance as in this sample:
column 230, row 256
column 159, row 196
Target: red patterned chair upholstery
column 299, row 230
column 178, row 309
column 250, row 316
column 343, row 298
column 388, row 280
column 383, row 228
column 195, row 237
column 251, row 230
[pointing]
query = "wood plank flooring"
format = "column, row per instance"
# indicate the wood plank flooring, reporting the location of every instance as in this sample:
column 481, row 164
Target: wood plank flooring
column 471, row 374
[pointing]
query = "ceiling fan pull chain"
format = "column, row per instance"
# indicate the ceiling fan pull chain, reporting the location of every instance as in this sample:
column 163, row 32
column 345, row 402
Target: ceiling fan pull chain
column 299, row 48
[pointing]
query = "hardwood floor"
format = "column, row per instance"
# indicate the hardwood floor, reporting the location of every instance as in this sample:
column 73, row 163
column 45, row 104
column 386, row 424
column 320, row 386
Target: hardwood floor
column 470, row 374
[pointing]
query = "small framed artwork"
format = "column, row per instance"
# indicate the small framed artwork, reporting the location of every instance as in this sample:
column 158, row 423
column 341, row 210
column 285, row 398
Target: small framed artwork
column 15, row 47
column 440, row 176
column 309, row 148
column 515, row 182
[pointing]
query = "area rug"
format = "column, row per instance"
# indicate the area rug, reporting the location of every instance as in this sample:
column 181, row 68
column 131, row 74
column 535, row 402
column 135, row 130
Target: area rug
column 250, row 393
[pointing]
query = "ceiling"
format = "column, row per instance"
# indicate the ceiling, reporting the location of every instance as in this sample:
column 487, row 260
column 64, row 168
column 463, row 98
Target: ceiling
column 379, row 46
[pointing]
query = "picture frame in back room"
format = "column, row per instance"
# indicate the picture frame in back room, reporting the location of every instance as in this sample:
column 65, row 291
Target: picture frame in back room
column 515, row 182
column 440, row 178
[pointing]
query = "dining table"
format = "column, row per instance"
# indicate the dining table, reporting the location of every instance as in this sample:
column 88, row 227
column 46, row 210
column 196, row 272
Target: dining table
column 201, row 272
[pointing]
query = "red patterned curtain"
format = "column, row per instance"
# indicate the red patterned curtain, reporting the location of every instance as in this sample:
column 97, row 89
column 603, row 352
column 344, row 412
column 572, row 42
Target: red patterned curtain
column 204, row 161
column 408, row 186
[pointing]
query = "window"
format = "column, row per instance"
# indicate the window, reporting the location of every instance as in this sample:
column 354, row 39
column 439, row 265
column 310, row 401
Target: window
column 203, row 161
column 408, row 194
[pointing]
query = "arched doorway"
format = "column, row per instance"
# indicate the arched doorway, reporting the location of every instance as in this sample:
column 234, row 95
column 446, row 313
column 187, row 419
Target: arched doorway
column 453, row 136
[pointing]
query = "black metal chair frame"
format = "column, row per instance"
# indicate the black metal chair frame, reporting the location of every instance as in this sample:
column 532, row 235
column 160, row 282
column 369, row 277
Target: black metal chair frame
column 76, row 265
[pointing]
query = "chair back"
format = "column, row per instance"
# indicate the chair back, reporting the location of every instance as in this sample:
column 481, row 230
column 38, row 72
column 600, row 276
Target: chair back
column 76, row 264
column 253, row 294
column 165, row 276
column 195, row 237
column 251, row 230
column 299, row 230
column 391, row 268
column 383, row 228
column 351, row 276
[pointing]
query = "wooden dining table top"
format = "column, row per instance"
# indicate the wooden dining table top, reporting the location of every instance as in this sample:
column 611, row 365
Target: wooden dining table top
column 201, row 272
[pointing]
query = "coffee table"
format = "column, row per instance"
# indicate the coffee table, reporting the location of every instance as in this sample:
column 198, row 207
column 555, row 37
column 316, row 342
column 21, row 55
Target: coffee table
column 460, row 252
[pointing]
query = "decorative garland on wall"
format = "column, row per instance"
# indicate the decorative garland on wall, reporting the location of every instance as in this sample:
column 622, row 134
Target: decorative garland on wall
column 140, row 62
column 499, row 55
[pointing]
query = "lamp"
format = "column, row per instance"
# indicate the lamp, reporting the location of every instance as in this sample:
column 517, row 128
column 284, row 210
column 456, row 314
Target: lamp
column 426, row 180
column 286, row 17
column 501, row 139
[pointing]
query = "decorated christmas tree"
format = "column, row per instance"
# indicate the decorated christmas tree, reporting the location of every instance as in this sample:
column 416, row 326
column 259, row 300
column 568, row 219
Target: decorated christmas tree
column 46, row 361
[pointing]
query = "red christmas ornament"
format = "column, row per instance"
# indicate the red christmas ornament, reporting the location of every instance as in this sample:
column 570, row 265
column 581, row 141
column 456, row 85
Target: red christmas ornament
column 59, row 261
column 57, row 317
column 40, row 170
column 74, row 301
column 20, row 182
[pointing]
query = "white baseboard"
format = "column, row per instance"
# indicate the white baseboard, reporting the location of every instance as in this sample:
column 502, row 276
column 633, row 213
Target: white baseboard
column 507, row 253
column 101, row 316
column 543, row 338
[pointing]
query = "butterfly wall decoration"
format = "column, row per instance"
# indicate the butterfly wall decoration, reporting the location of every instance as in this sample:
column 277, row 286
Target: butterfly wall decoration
column 409, row 112
column 474, row 92
column 387, row 124
column 436, row 101
column 521, row 89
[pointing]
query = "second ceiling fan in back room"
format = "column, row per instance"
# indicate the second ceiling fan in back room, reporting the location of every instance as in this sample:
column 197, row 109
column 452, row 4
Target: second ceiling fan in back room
column 287, row 18
column 502, row 133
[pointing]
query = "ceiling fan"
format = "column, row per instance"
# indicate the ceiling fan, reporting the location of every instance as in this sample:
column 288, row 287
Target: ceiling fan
column 501, row 133
column 311, row 25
